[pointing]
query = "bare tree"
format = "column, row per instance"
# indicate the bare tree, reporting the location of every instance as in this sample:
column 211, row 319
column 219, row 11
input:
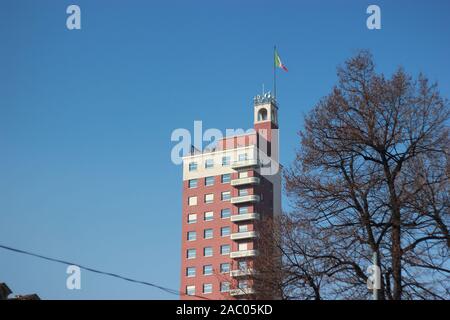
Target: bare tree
column 371, row 177
column 267, row 277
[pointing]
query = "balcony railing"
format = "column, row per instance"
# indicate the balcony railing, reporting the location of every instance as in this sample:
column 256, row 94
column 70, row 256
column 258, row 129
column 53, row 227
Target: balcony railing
column 244, row 164
column 243, row 199
column 243, row 235
column 244, row 181
column 243, row 253
column 240, row 292
column 244, row 217
column 242, row 273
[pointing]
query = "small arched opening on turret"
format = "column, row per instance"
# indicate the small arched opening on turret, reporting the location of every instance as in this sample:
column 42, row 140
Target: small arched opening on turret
column 262, row 115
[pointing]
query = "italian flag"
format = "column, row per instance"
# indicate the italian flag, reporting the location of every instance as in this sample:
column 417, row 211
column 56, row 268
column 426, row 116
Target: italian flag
column 278, row 62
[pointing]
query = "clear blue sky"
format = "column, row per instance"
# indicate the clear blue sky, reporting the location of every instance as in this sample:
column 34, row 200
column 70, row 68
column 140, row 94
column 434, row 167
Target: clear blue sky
column 86, row 116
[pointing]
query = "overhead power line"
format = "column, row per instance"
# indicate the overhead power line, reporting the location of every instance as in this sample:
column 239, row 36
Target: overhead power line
column 114, row 275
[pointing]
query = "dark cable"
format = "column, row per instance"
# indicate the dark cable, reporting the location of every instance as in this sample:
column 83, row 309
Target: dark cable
column 168, row 290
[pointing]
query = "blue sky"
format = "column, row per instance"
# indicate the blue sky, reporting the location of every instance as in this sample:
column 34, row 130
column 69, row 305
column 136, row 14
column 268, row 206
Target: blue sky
column 86, row 116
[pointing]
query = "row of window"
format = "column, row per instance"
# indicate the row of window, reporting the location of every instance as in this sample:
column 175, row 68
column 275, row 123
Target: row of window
column 208, row 287
column 209, row 197
column 209, row 181
column 209, row 215
column 208, row 233
column 208, row 269
column 209, row 163
column 208, row 251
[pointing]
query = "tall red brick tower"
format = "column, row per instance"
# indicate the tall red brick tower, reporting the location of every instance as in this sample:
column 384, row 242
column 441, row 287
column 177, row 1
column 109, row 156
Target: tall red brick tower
column 227, row 192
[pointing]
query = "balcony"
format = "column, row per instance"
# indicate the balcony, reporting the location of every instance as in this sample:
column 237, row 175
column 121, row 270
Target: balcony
column 244, row 164
column 240, row 292
column 243, row 253
column 242, row 273
column 244, row 217
column 243, row 199
column 244, row 181
column 243, row 235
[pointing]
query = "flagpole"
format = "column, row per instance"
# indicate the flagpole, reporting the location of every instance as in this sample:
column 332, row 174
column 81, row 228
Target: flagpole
column 274, row 73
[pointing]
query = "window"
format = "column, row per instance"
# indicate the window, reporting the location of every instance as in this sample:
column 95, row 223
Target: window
column 191, row 253
column 225, row 213
column 243, row 210
column 192, row 218
column 209, row 181
column 207, row 270
column 209, row 197
column 242, row 265
column 224, row 286
column 226, row 195
column 190, row 271
column 243, row 174
column 242, row 284
column 192, row 201
column 243, row 228
column 262, row 115
column 224, row 267
column 193, row 183
column 242, row 246
column 207, row 251
column 226, row 161
column 191, row 235
column 190, row 290
column 208, row 233
column 225, row 231
column 226, row 178
column 242, row 157
column 243, row 192
column 207, row 288
column 192, row 166
column 209, row 163
column 225, row 249
column 208, row 216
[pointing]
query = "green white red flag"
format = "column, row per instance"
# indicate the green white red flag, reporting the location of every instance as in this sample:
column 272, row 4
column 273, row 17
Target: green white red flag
column 278, row 62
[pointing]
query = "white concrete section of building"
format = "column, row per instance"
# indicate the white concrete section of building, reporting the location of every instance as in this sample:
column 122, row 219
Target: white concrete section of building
column 244, row 164
column 240, row 292
column 216, row 157
column 244, row 181
column 242, row 273
column 244, row 217
column 243, row 235
column 243, row 199
column 243, row 254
